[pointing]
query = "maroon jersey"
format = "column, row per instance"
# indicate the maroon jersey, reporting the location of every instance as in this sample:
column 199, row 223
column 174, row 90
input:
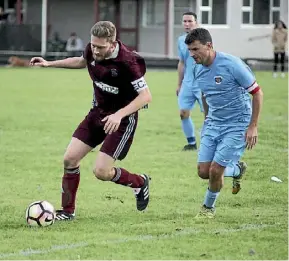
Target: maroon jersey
column 116, row 81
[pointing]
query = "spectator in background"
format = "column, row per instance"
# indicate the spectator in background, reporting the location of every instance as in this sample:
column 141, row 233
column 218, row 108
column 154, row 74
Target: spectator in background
column 279, row 41
column 12, row 19
column 74, row 45
column 56, row 44
column 3, row 16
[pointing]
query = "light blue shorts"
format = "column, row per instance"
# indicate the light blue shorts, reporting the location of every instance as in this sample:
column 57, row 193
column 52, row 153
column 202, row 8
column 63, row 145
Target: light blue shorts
column 223, row 145
column 187, row 98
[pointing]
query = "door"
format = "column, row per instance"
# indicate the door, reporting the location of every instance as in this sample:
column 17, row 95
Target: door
column 127, row 23
column 124, row 14
column 106, row 11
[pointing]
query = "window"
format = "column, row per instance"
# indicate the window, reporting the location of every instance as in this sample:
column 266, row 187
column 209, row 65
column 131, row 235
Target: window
column 182, row 6
column 213, row 12
column 106, row 10
column 153, row 12
column 10, row 6
column 260, row 11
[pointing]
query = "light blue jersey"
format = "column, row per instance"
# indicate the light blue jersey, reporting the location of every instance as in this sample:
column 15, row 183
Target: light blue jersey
column 226, row 84
column 189, row 62
column 189, row 93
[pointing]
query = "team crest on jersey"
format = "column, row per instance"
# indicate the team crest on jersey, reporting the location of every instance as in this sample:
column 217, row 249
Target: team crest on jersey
column 113, row 72
column 218, row 79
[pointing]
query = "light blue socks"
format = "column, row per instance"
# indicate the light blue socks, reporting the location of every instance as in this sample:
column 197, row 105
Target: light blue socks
column 210, row 198
column 232, row 170
column 189, row 130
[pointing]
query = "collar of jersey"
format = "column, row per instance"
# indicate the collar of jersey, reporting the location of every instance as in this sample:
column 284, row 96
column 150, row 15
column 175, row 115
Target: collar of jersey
column 114, row 53
column 212, row 64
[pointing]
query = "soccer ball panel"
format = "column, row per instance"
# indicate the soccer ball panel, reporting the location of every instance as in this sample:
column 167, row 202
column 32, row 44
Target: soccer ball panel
column 46, row 219
column 40, row 213
column 35, row 210
column 47, row 206
column 32, row 222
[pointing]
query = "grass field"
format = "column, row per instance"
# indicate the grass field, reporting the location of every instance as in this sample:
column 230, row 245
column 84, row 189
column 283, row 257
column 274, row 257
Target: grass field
column 39, row 110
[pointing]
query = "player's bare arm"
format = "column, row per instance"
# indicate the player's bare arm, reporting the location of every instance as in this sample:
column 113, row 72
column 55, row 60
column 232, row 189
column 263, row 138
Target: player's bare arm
column 205, row 105
column 113, row 121
column 144, row 97
column 252, row 132
column 181, row 67
column 70, row 63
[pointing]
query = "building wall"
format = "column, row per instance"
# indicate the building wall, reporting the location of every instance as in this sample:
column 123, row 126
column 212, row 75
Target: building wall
column 232, row 39
column 64, row 16
column 68, row 16
column 284, row 12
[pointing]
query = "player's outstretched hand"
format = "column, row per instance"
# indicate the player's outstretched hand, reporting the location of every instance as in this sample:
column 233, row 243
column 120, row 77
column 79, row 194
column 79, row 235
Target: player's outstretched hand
column 112, row 123
column 251, row 137
column 38, row 61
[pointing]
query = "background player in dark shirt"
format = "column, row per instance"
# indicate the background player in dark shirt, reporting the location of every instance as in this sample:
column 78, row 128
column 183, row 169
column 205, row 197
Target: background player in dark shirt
column 120, row 91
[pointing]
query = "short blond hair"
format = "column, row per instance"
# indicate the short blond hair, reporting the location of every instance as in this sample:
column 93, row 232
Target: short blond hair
column 104, row 29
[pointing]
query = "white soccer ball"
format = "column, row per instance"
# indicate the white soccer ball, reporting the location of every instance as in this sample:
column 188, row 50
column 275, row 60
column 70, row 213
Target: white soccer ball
column 40, row 213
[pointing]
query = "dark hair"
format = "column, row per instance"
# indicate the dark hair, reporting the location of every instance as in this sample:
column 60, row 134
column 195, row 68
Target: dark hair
column 198, row 34
column 279, row 21
column 191, row 13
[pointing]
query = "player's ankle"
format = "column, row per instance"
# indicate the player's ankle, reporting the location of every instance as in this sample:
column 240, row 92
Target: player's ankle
column 67, row 210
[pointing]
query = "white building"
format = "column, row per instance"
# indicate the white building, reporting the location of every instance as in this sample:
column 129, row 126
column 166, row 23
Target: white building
column 152, row 26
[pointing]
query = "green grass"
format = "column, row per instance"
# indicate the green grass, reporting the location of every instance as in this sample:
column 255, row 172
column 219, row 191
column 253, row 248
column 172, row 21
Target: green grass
column 39, row 110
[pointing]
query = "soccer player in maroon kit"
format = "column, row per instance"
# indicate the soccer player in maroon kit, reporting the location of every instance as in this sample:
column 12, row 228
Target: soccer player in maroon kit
column 120, row 90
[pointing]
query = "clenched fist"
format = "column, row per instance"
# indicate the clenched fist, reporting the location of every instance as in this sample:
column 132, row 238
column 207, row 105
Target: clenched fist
column 39, row 61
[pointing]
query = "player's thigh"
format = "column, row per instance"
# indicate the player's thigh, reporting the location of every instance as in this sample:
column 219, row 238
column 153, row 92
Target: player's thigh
column 230, row 148
column 75, row 152
column 208, row 145
column 117, row 144
column 90, row 131
column 186, row 99
column 104, row 161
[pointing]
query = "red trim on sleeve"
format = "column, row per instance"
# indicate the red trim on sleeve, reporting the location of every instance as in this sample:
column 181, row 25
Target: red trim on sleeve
column 255, row 90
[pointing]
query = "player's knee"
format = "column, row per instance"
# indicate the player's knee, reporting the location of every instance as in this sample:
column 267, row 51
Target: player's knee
column 203, row 171
column 184, row 114
column 101, row 173
column 216, row 171
column 70, row 162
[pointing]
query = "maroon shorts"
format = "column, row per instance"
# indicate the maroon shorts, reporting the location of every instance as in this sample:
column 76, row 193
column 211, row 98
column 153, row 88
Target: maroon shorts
column 90, row 131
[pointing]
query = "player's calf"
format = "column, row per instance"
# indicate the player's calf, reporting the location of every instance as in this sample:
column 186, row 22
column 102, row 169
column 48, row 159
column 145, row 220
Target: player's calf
column 216, row 180
column 213, row 191
column 139, row 183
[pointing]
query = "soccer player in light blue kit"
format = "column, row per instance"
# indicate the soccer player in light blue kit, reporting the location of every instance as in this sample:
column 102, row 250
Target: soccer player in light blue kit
column 231, row 117
column 187, row 92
